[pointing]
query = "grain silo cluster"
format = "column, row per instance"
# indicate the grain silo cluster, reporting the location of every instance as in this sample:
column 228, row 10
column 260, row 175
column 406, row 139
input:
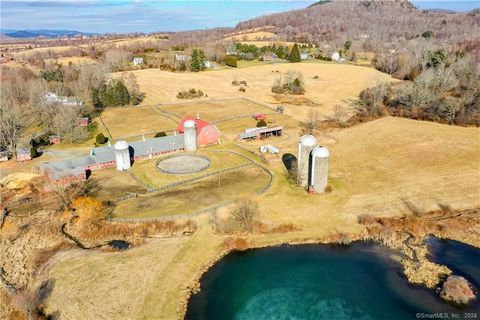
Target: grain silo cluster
column 312, row 164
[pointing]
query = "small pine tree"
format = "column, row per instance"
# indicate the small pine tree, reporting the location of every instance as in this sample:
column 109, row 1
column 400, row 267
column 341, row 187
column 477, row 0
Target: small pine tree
column 33, row 152
column 347, row 45
column 294, row 54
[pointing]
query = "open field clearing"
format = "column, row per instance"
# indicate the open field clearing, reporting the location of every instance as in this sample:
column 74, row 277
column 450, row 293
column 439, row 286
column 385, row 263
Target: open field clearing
column 93, row 286
column 215, row 110
column 336, row 84
column 73, row 60
column 113, row 184
column 195, row 196
column 252, row 36
column 148, row 172
column 125, row 122
column 372, row 167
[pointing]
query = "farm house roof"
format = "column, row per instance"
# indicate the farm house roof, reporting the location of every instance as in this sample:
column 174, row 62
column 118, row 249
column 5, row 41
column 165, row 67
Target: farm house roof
column 199, row 122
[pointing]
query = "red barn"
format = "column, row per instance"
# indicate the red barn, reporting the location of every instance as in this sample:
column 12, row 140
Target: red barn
column 206, row 133
column 55, row 139
column 260, row 116
column 84, row 122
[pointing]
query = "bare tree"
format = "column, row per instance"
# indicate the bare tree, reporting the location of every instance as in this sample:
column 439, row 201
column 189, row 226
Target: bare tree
column 12, row 119
column 339, row 114
column 244, row 213
column 67, row 122
column 311, row 122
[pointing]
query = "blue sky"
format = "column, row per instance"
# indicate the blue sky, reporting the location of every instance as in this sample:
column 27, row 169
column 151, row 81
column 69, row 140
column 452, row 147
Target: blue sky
column 147, row 15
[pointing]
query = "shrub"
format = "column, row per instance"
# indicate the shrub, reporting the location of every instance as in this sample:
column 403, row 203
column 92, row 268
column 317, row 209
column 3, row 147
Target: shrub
column 160, row 134
column 231, row 61
column 190, row 94
column 261, row 123
column 33, row 152
column 100, row 139
column 235, row 82
column 328, row 189
column 242, row 89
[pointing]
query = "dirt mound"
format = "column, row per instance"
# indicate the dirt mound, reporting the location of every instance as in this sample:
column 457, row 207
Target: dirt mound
column 18, row 180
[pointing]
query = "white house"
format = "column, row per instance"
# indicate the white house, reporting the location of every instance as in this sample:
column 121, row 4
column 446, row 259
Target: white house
column 207, row 64
column 137, row 61
column 51, row 98
column 181, row 57
column 336, row 57
column 305, row 56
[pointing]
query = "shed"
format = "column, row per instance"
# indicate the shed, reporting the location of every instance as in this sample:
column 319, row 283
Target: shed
column 3, row 155
column 207, row 134
column 23, row 154
column 260, row 116
column 54, row 139
column 261, row 133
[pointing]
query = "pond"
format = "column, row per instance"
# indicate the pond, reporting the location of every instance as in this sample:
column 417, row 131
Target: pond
column 359, row 281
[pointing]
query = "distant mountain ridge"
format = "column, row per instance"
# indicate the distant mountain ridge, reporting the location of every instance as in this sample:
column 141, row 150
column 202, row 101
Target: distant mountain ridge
column 42, row 33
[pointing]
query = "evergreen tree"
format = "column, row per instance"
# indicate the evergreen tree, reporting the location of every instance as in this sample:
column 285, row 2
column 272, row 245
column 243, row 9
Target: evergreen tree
column 294, row 54
column 198, row 60
column 347, row 45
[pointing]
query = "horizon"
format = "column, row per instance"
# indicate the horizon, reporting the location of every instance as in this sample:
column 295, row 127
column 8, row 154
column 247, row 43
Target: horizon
column 92, row 16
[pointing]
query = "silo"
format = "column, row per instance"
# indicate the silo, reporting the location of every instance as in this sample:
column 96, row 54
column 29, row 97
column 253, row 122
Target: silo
column 190, row 135
column 319, row 170
column 122, row 155
column 305, row 147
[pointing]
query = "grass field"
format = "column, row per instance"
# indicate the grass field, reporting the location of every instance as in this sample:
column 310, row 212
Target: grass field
column 337, row 84
column 114, row 184
column 124, row 122
column 215, row 110
column 196, row 196
column 148, row 172
column 251, row 36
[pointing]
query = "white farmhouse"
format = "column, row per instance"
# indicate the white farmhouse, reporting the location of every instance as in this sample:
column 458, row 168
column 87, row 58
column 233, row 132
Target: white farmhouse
column 137, row 61
column 51, row 98
column 336, row 57
column 207, row 64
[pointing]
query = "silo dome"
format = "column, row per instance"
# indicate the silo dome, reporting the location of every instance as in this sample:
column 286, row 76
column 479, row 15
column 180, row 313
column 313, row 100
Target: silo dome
column 321, row 152
column 319, row 169
column 308, row 140
column 305, row 147
column 122, row 155
column 190, row 135
column 120, row 145
column 189, row 124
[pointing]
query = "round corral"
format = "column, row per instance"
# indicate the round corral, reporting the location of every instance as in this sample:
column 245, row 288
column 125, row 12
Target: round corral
column 183, row 164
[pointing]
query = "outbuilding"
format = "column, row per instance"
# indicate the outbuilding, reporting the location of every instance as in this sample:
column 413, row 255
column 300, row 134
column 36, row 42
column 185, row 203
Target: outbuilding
column 207, row 134
column 23, row 154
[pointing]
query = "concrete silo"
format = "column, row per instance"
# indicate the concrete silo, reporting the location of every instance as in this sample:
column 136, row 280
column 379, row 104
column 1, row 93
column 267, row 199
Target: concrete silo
column 305, row 147
column 319, row 169
column 122, row 155
column 190, row 135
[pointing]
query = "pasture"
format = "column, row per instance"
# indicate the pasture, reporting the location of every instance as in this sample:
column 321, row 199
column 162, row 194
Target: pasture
column 148, row 172
column 196, row 196
column 215, row 110
column 326, row 84
column 124, row 122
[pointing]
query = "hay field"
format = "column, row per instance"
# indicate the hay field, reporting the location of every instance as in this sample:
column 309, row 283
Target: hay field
column 130, row 121
column 210, row 110
column 73, row 60
column 252, row 36
column 196, row 196
column 336, row 84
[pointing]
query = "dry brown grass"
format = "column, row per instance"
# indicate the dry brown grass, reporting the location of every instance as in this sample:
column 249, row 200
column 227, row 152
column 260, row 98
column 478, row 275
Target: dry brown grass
column 124, row 122
column 336, row 84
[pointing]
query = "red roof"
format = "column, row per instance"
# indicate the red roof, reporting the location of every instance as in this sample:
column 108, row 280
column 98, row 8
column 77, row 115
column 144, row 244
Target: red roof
column 200, row 124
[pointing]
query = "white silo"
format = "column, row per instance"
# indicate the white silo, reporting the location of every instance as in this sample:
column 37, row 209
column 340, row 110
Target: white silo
column 122, row 155
column 305, row 147
column 190, row 135
column 319, row 169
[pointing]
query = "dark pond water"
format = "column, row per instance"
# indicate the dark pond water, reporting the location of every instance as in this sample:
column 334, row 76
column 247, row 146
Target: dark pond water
column 119, row 244
column 359, row 281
